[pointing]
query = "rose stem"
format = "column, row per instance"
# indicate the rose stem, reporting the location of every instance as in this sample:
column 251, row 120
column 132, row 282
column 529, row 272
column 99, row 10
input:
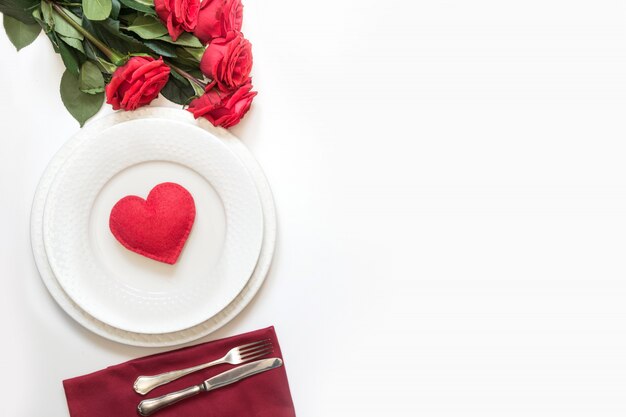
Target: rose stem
column 187, row 75
column 115, row 57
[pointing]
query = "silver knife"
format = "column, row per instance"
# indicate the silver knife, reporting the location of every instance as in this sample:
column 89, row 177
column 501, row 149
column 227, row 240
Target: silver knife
column 147, row 407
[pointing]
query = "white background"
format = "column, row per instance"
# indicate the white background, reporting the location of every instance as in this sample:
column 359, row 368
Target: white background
column 450, row 179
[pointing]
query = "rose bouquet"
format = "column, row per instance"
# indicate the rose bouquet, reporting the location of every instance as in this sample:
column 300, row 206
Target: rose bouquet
column 129, row 51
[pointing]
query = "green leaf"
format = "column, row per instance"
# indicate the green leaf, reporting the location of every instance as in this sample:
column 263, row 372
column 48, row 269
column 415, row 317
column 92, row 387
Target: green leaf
column 127, row 15
column 72, row 12
column 141, row 6
column 90, row 79
column 161, row 48
column 19, row 9
column 73, row 42
column 177, row 76
column 54, row 39
column 148, row 27
column 196, row 73
column 97, row 9
column 194, row 54
column 65, row 29
column 20, row 34
column 39, row 19
column 177, row 91
column 47, row 13
column 186, row 39
column 80, row 105
column 92, row 53
column 116, row 6
column 106, row 65
column 188, row 57
column 196, row 88
column 69, row 58
column 108, row 31
column 37, row 15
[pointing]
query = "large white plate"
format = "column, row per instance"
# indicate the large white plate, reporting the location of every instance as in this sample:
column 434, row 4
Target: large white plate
column 165, row 339
column 123, row 289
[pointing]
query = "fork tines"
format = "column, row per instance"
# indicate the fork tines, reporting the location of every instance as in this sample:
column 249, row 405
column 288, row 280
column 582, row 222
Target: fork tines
column 255, row 350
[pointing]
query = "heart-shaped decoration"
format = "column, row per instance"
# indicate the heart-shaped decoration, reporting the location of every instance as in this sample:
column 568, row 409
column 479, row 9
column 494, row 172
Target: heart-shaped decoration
column 158, row 226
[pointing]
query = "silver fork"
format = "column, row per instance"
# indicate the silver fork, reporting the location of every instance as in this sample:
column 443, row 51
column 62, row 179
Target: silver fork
column 235, row 356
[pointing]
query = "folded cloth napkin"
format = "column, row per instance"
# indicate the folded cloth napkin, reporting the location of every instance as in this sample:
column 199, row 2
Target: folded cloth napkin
column 109, row 392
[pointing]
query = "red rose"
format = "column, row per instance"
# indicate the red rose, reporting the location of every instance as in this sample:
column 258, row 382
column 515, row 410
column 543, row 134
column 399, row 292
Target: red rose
column 228, row 61
column 178, row 15
column 223, row 108
column 137, row 82
column 217, row 18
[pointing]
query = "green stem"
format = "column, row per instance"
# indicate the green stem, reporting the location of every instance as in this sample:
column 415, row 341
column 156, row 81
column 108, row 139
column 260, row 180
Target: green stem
column 187, row 75
column 115, row 57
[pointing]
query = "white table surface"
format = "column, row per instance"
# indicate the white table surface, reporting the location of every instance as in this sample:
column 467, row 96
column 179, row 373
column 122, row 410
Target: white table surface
column 450, row 178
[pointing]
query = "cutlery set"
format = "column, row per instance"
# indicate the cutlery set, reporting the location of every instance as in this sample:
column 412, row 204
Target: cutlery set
column 247, row 354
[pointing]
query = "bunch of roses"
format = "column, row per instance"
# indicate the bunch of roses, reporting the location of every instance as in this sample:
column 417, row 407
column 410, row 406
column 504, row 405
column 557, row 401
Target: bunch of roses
column 129, row 51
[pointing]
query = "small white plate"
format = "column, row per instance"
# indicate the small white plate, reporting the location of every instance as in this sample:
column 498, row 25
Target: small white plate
column 124, row 289
column 142, row 339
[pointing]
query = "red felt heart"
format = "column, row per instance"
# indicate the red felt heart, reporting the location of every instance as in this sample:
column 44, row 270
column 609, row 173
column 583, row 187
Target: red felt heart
column 157, row 227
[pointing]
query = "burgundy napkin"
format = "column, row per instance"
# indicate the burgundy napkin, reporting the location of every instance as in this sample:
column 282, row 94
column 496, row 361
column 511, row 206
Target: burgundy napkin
column 109, row 392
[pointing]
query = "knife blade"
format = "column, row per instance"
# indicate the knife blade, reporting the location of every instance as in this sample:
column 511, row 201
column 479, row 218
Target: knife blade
column 148, row 407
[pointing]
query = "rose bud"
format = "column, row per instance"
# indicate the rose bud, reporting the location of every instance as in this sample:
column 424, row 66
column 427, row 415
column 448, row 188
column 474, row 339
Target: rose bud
column 217, row 18
column 228, row 61
column 178, row 15
column 137, row 82
column 224, row 109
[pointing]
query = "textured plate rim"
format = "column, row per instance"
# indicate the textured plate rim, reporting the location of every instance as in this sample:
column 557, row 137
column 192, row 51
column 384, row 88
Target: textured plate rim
column 166, row 339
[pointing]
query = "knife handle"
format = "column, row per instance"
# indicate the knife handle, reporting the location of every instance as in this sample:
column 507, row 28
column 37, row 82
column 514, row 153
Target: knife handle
column 148, row 407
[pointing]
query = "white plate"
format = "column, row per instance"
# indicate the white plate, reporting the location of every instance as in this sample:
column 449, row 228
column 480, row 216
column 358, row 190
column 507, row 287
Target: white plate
column 165, row 339
column 126, row 290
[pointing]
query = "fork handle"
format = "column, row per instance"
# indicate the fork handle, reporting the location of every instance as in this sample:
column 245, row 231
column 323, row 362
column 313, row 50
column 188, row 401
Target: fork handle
column 145, row 384
column 148, row 407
